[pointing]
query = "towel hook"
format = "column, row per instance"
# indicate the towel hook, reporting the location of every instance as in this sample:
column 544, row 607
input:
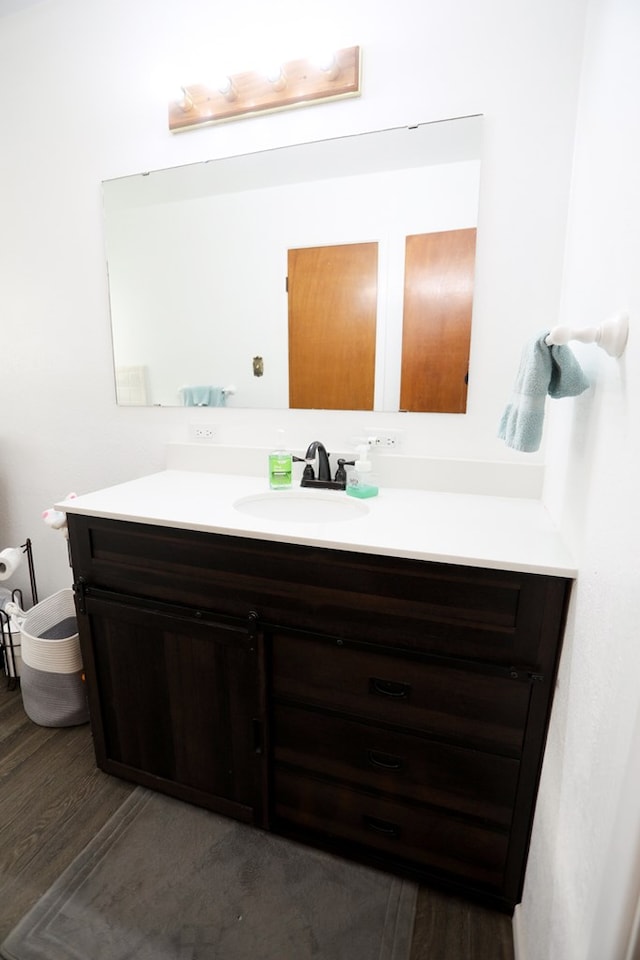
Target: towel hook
column 611, row 335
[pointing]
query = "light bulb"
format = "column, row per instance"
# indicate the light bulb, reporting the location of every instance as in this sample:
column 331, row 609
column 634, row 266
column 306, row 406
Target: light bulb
column 226, row 88
column 182, row 98
column 276, row 77
column 328, row 63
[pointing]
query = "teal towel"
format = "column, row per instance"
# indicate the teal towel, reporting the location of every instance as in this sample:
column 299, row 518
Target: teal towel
column 204, row 396
column 543, row 371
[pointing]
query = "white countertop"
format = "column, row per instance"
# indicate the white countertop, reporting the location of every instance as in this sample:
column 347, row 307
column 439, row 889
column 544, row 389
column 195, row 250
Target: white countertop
column 504, row 533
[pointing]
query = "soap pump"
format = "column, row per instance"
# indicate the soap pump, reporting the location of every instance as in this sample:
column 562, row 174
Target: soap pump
column 361, row 482
column 280, row 467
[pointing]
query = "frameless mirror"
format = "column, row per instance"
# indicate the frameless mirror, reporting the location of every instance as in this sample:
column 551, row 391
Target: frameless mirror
column 283, row 278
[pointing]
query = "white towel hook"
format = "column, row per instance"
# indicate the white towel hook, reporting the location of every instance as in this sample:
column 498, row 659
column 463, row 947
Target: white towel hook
column 611, row 335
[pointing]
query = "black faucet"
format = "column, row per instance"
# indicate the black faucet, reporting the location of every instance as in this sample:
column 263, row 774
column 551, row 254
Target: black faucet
column 323, row 478
column 324, row 471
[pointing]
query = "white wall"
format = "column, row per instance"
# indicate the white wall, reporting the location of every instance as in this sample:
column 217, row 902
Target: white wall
column 583, row 879
column 84, row 89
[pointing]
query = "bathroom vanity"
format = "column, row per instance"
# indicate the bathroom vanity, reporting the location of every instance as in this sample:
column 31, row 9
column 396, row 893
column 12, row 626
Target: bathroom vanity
column 353, row 685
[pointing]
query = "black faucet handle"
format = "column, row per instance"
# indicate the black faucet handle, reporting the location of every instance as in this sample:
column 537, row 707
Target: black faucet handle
column 341, row 473
column 307, row 473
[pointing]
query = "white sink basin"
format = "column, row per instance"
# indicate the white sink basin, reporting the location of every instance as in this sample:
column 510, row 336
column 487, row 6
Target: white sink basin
column 302, row 506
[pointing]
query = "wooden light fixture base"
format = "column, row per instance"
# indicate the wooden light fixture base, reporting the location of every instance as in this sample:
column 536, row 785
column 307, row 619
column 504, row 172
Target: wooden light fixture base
column 301, row 83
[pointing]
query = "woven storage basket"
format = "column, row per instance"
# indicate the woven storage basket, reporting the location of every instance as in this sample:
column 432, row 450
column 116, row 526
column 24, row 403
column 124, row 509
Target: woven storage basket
column 51, row 678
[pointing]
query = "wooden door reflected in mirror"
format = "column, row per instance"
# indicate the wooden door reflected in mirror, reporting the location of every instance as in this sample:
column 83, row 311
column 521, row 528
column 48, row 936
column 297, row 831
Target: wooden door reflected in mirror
column 436, row 327
column 332, row 296
column 333, row 302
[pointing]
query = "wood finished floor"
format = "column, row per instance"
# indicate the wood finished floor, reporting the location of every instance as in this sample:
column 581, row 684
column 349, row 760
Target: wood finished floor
column 53, row 800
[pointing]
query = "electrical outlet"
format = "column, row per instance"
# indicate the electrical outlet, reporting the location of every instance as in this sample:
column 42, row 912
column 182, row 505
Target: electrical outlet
column 387, row 439
column 201, row 433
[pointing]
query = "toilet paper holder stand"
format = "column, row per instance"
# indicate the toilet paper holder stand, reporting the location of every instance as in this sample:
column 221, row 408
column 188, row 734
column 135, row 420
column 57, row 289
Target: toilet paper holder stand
column 7, row 651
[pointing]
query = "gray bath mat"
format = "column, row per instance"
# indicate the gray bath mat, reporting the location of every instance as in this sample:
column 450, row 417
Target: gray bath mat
column 164, row 880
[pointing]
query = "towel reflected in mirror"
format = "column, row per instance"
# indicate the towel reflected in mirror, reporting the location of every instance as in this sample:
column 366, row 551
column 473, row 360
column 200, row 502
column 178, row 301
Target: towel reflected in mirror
column 203, row 396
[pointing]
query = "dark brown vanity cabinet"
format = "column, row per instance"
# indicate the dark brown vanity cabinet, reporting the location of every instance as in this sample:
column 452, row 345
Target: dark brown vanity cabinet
column 391, row 710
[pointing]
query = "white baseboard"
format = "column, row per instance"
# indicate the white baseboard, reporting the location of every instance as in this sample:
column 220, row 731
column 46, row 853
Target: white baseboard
column 519, row 951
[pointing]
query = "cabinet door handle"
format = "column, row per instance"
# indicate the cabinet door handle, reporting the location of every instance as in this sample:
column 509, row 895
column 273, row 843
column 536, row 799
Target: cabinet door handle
column 389, row 688
column 384, row 760
column 385, row 827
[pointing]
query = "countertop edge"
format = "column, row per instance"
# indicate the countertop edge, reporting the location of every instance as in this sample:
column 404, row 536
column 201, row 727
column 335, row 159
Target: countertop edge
column 145, row 501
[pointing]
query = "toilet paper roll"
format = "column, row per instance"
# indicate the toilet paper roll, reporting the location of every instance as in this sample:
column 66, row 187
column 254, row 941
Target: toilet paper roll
column 10, row 560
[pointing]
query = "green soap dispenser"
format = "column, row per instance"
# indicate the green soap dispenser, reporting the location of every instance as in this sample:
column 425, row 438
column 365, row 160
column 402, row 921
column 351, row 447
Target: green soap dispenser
column 361, row 482
column 280, row 466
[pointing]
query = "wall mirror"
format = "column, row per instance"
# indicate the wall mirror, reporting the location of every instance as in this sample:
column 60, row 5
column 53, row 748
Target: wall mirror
column 336, row 274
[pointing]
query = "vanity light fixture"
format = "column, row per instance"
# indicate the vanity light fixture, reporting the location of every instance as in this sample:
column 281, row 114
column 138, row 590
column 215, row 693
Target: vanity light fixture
column 297, row 83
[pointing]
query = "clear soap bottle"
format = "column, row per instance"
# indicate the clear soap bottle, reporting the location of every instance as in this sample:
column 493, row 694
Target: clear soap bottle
column 280, row 466
column 362, row 482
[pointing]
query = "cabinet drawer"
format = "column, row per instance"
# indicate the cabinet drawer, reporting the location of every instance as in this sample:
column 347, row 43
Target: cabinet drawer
column 464, row 781
column 481, row 709
column 422, row 836
column 497, row 616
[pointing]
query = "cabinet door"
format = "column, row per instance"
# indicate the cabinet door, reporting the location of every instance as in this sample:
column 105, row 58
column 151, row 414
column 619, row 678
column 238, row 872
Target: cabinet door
column 175, row 703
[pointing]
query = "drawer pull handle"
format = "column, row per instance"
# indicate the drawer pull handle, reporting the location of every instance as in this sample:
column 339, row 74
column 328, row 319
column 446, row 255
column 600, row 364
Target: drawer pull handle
column 384, row 760
column 389, row 688
column 384, row 827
